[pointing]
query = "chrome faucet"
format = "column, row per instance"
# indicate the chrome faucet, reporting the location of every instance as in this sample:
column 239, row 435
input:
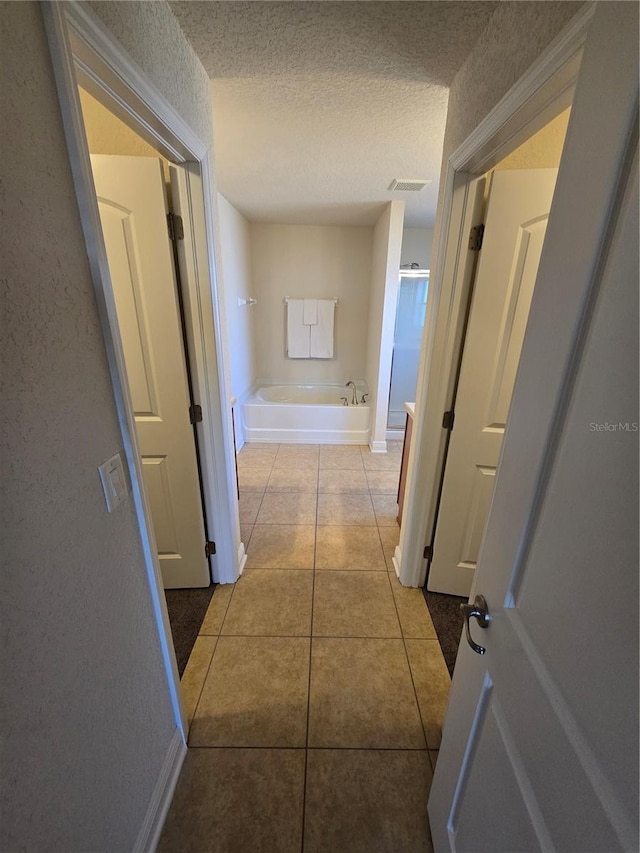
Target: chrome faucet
column 354, row 398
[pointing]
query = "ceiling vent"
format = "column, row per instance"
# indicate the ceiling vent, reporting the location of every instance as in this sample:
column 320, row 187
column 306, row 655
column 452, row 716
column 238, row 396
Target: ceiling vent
column 409, row 184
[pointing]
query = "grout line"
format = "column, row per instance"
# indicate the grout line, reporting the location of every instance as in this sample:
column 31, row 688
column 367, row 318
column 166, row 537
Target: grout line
column 320, row 748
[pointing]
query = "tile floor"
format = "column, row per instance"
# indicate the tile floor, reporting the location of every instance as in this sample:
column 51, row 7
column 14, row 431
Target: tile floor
column 316, row 688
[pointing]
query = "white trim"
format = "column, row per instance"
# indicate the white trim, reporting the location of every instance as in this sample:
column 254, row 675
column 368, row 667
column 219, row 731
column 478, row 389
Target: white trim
column 149, row 834
column 378, row 446
column 543, row 89
column 395, row 434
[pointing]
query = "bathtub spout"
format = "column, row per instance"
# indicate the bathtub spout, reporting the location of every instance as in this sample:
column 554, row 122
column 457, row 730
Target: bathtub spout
column 354, row 398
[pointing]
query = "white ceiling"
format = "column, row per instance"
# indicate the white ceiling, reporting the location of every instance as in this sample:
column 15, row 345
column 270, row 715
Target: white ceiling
column 318, row 106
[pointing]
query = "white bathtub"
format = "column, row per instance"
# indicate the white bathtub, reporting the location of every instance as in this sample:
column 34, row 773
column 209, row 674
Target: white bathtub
column 306, row 414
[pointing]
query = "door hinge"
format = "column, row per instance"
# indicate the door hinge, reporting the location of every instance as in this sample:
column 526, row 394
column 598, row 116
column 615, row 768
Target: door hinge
column 195, row 414
column 447, row 419
column 476, row 236
column 209, row 549
column 428, row 552
column 176, row 228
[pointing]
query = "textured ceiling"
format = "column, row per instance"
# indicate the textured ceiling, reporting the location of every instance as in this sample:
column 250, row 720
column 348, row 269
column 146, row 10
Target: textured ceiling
column 318, row 106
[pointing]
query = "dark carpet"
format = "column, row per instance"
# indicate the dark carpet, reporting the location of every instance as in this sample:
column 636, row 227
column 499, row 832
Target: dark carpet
column 187, row 609
column 447, row 620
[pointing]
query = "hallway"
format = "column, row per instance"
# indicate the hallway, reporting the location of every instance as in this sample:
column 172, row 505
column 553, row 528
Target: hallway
column 316, row 689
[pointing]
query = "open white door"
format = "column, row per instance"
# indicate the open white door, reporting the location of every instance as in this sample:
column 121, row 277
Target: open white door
column 516, row 221
column 133, row 211
column 540, row 744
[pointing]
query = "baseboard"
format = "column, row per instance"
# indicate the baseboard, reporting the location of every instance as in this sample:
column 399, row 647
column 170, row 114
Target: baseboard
column 397, row 560
column 395, row 434
column 242, row 558
column 378, row 446
column 149, row 834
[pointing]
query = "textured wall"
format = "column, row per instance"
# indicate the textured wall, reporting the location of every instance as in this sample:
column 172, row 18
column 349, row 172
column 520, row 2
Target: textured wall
column 107, row 134
column 311, row 261
column 235, row 241
column 515, row 36
column 543, row 150
column 86, row 714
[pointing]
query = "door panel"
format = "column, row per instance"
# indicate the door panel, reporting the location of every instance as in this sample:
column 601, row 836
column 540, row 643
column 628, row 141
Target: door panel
column 516, row 221
column 559, row 560
column 132, row 204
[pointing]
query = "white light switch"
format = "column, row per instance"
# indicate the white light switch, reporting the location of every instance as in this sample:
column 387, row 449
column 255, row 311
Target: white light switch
column 114, row 482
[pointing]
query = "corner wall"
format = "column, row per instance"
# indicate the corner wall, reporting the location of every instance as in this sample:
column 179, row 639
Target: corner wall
column 385, row 267
column 87, row 717
column 235, row 246
column 311, row 261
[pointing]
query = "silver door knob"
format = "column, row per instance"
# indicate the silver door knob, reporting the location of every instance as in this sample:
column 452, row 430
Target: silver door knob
column 478, row 610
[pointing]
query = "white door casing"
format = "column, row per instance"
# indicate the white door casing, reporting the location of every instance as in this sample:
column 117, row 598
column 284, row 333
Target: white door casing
column 133, row 209
column 516, row 220
column 540, row 745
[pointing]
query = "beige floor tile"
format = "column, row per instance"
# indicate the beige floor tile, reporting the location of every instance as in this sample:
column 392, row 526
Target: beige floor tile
column 217, row 610
column 349, row 548
column 361, row 695
column 395, row 446
column 248, row 506
column 271, row 602
column 245, row 534
column 382, row 462
column 386, row 510
column 266, row 447
column 288, row 508
column 195, row 673
column 255, row 458
column 415, row 619
column 348, row 509
column 255, row 694
column 382, row 482
column 342, row 482
column 237, row 800
column 293, row 480
column 281, row 546
column 433, row 758
column 372, row 801
column 390, row 537
column 253, row 479
column 341, row 457
column 353, row 604
column 297, row 456
column 432, row 683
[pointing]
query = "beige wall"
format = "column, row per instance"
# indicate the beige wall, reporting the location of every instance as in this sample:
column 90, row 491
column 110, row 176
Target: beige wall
column 385, row 266
column 87, row 717
column 543, row 150
column 235, row 240
column 107, row 134
column 416, row 246
column 311, row 261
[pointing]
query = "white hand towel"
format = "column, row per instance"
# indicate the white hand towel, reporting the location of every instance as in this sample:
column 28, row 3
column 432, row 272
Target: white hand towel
column 310, row 312
column 298, row 338
column 322, row 333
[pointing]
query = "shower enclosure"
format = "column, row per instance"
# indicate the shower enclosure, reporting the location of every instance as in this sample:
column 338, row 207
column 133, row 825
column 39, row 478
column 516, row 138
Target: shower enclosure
column 407, row 341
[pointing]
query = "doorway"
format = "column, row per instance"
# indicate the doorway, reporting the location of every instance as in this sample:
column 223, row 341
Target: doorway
column 82, row 55
column 517, row 199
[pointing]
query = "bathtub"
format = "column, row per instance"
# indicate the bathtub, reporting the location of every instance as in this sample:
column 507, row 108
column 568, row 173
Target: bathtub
column 306, row 414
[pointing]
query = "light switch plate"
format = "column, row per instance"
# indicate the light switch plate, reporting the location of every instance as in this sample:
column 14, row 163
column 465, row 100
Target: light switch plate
column 114, row 482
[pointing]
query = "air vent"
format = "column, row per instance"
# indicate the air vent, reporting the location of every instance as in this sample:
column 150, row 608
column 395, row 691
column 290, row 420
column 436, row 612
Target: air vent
column 409, row 184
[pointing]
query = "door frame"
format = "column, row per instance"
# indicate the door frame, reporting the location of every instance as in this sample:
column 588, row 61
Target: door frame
column 538, row 96
column 83, row 50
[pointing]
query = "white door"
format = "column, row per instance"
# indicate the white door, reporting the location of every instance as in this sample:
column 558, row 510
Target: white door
column 133, row 211
column 515, row 225
column 540, row 743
